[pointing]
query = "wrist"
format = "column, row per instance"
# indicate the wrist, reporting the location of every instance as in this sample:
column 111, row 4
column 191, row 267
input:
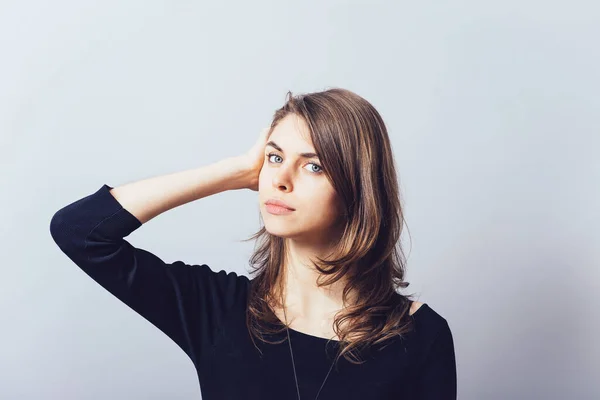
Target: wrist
column 239, row 171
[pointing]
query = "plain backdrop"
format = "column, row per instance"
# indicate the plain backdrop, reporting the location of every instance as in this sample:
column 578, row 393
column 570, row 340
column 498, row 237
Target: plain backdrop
column 493, row 113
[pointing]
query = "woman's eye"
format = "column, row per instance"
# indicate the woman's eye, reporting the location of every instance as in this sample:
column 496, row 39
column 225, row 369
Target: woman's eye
column 316, row 165
column 271, row 155
column 319, row 168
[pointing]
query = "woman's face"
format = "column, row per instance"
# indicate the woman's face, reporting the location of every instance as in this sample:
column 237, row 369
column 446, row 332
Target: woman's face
column 299, row 182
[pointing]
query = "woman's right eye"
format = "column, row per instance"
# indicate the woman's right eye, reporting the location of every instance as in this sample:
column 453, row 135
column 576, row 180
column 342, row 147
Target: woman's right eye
column 272, row 154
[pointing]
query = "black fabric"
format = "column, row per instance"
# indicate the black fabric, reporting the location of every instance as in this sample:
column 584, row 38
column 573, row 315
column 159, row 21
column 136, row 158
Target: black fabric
column 203, row 311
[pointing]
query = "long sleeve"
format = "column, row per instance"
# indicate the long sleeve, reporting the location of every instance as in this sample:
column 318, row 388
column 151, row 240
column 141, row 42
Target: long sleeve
column 437, row 377
column 186, row 302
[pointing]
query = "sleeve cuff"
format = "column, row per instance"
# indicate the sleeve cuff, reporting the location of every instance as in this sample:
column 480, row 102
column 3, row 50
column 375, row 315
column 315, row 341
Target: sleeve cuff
column 114, row 221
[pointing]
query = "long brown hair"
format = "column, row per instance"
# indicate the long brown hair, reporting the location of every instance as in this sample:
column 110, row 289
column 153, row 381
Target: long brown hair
column 352, row 142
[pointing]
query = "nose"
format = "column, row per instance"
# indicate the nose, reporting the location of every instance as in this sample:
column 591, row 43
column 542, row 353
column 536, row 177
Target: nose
column 282, row 179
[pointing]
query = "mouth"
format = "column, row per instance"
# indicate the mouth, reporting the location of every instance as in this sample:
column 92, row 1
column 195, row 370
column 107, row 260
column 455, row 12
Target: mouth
column 278, row 210
column 278, row 203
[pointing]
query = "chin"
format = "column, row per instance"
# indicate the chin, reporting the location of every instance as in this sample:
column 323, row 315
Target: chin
column 276, row 229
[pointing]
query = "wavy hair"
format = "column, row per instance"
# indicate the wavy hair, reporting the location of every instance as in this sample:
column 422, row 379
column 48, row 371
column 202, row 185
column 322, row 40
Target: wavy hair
column 352, row 142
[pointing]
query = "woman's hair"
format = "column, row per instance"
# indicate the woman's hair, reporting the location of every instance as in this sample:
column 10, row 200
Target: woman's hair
column 352, row 142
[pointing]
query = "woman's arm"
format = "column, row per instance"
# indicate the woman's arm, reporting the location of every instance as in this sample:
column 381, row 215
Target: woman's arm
column 147, row 198
column 187, row 302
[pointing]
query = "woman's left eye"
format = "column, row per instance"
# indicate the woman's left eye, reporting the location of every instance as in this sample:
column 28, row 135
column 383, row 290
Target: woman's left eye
column 316, row 165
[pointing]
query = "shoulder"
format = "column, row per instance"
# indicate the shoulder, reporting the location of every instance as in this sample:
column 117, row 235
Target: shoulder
column 414, row 307
column 432, row 330
column 429, row 322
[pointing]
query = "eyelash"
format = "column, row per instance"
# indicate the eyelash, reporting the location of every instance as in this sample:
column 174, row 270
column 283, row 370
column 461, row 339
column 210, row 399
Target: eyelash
column 275, row 154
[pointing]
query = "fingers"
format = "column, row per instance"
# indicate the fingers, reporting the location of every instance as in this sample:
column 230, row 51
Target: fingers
column 265, row 133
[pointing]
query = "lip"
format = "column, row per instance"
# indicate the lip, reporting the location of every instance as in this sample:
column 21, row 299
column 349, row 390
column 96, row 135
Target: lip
column 279, row 203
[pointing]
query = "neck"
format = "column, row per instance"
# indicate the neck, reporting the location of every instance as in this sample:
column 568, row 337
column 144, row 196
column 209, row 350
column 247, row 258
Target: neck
column 302, row 297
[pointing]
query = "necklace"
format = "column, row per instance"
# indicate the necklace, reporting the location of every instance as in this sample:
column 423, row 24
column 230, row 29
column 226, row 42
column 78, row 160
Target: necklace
column 294, row 364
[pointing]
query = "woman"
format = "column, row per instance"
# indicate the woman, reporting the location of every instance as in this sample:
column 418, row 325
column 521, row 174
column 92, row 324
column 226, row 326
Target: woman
column 321, row 318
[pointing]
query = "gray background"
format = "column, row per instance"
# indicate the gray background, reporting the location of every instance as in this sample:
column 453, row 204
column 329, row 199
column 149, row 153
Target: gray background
column 492, row 108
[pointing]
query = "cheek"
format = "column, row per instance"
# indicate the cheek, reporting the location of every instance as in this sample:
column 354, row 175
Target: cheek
column 322, row 208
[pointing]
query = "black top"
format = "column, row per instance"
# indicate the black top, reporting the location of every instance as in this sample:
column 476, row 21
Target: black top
column 203, row 311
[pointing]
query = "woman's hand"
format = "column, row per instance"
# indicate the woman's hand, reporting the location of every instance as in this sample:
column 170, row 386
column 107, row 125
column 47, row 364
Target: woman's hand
column 254, row 159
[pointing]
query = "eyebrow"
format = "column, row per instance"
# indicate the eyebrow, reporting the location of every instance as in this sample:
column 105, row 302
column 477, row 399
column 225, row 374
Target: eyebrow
column 305, row 155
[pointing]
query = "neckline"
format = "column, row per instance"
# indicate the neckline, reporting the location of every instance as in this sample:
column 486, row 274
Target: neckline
column 322, row 339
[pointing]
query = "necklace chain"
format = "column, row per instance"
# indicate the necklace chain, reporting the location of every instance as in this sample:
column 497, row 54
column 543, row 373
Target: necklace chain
column 294, row 364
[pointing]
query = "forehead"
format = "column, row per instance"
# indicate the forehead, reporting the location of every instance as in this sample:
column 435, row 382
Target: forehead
column 292, row 132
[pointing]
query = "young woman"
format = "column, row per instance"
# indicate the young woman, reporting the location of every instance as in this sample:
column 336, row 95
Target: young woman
column 321, row 318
